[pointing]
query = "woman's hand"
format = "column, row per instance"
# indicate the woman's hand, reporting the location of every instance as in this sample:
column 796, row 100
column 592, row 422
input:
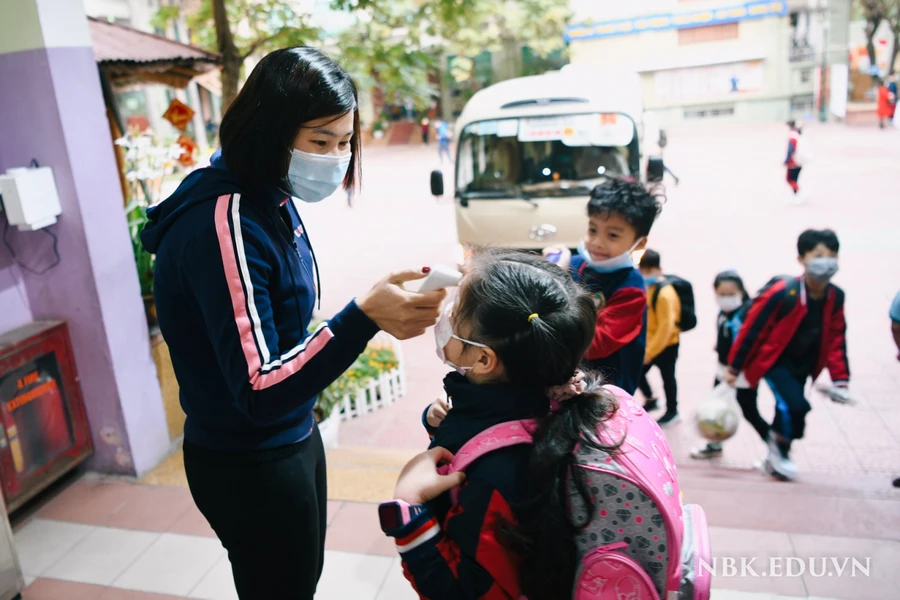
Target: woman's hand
column 420, row 481
column 437, row 412
column 400, row 313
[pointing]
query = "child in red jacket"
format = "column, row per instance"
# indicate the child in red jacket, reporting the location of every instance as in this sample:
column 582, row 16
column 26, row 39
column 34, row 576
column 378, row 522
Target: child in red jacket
column 794, row 330
column 794, row 162
column 620, row 216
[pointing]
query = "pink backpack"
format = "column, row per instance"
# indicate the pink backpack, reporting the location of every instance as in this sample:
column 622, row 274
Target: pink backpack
column 642, row 543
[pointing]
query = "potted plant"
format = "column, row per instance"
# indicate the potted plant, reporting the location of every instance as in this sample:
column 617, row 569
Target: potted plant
column 378, row 128
column 146, row 163
column 377, row 359
column 144, row 261
column 328, row 407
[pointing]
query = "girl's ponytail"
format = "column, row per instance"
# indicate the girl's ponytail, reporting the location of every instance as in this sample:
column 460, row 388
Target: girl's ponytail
column 544, row 537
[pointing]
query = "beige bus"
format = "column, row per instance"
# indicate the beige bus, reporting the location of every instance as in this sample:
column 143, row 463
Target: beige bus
column 530, row 150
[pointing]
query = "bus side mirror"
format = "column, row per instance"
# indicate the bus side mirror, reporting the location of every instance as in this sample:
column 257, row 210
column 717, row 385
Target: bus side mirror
column 437, row 183
column 655, row 169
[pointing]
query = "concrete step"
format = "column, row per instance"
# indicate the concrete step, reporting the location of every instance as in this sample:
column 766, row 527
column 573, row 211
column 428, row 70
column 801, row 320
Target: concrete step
column 360, row 474
column 863, row 506
column 401, row 132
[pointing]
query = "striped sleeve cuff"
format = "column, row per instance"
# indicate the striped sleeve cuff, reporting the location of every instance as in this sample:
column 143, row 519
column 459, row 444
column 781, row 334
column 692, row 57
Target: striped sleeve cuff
column 421, row 530
column 355, row 320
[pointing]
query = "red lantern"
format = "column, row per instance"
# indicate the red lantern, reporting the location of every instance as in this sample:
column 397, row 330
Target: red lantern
column 179, row 114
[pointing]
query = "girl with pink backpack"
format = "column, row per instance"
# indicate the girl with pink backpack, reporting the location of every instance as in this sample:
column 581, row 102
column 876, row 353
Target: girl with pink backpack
column 541, row 483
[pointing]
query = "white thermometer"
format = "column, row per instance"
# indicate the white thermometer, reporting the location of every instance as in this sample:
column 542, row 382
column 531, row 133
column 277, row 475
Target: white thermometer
column 439, row 278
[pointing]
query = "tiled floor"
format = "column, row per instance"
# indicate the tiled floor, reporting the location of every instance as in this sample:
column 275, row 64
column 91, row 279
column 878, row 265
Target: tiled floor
column 73, row 562
column 103, row 539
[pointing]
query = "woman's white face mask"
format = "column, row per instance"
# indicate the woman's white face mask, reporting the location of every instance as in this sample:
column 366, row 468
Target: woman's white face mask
column 314, row 177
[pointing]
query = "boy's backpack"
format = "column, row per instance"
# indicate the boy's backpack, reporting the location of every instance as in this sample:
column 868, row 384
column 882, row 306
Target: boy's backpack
column 792, row 295
column 641, row 541
column 802, row 151
column 688, row 318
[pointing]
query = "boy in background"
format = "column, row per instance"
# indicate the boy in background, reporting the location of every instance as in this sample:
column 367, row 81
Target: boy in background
column 794, row 329
column 663, row 337
column 620, row 216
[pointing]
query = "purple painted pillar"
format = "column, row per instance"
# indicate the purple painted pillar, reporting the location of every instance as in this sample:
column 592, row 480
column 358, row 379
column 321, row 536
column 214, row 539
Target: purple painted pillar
column 15, row 310
column 52, row 110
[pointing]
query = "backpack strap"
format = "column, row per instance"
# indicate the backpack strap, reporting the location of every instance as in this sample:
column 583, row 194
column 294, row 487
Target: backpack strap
column 511, row 433
column 794, row 291
column 659, row 286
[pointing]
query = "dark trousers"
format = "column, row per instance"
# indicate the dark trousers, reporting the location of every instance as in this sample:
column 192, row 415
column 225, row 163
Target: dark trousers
column 268, row 508
column 746, row 398
column 791, row 405
column 665, row 361
column 793, row 176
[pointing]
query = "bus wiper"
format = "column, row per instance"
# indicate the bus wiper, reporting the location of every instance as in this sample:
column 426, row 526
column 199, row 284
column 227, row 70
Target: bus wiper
column 485, row 194
column 511, row 194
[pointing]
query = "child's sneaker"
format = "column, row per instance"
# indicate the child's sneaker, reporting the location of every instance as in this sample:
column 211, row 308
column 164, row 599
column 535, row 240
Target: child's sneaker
column 651, row 405
column 778, row 463
column 711, row 450
column 668, row 419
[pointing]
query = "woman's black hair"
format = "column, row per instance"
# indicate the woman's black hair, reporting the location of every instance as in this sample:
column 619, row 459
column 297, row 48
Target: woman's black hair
column 732, row 276
column 502, row 290
column 288, row 88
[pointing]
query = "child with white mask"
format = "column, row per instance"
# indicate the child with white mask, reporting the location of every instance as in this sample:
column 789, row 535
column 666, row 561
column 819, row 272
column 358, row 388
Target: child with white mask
column 733, row 301
column 794, row 330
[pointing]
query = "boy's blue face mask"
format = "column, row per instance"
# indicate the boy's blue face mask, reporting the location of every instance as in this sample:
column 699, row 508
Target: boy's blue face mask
column 648, row 281
column 623, row 261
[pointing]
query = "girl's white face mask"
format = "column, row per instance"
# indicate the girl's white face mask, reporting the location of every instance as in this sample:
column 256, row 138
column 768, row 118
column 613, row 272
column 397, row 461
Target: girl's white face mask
column 443, row 333
column 729, row 304
column 314, row 177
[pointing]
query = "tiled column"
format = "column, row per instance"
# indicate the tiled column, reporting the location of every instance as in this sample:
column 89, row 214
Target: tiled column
column 51, row 110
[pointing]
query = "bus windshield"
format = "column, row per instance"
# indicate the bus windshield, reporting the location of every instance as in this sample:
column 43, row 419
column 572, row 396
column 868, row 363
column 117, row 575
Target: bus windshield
column 547, row 156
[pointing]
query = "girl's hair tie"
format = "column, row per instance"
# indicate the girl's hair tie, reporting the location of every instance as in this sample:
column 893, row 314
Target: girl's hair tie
column 560, row 393
column 532, row 317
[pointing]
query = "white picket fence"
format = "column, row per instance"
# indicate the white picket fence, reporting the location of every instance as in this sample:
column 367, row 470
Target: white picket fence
column 377, row 393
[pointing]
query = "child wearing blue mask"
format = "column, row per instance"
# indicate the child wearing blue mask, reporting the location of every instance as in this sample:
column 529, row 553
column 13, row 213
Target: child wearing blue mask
column 620, row 216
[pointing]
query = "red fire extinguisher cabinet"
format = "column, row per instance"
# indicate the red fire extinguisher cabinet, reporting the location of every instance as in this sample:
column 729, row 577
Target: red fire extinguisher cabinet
column 45, row 431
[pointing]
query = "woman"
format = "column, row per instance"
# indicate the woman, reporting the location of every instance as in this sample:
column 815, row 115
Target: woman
column 235, row 290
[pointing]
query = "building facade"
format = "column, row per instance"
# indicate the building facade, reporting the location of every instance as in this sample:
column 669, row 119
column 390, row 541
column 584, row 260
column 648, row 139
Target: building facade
column 716, row 59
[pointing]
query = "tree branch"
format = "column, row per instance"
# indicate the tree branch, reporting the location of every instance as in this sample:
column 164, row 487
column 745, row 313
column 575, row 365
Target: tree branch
column 259, row 42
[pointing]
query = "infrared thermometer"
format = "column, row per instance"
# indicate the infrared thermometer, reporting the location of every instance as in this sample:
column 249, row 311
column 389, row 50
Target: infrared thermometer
column 440, row 278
